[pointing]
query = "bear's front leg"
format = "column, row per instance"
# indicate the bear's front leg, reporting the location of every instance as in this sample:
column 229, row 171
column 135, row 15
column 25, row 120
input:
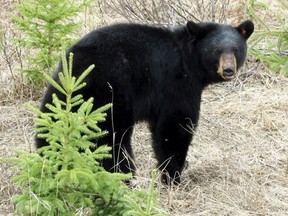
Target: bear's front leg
column 171, row 138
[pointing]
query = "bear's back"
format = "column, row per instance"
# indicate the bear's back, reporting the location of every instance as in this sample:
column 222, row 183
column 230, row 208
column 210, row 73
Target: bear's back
column 125, row 33
column 126, row 49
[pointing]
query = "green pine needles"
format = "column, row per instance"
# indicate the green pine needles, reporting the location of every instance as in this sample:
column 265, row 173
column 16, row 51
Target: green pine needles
column 270, row 44
column 66, row 177
column 44, row 26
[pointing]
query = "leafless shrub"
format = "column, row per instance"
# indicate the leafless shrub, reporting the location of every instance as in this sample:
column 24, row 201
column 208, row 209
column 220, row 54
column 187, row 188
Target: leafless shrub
column 170, row 12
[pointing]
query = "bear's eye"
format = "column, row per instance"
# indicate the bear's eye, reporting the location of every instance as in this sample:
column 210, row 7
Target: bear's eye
column 217, row 51
column 236, row 50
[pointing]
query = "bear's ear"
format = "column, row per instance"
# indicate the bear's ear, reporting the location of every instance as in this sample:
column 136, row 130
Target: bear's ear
column 246, row 28
column 200, row 30
column 194, row 29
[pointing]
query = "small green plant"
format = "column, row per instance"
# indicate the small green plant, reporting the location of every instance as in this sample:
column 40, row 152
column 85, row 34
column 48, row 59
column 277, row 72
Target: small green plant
column 270, row 45
column 44, row 26
column 66, row 176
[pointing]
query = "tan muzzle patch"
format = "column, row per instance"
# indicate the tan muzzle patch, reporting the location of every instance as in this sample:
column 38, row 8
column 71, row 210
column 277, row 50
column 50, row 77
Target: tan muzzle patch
column 227, row 66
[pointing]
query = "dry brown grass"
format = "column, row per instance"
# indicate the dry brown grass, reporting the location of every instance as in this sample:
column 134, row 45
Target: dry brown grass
column 238, row 160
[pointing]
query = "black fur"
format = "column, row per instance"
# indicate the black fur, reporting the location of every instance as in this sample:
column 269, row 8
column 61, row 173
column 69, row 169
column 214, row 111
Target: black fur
column 157, row 75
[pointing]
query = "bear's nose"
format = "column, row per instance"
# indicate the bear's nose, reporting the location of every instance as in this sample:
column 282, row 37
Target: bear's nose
column 228, row 70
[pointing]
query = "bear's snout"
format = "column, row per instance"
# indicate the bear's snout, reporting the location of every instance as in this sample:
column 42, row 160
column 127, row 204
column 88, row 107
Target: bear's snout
column 227, row 68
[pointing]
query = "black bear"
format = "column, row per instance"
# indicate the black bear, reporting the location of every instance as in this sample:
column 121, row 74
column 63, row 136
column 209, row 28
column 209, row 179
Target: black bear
column 157, row 75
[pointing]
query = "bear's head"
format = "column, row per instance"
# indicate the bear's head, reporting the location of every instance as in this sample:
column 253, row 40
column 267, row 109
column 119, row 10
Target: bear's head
column 221, row 48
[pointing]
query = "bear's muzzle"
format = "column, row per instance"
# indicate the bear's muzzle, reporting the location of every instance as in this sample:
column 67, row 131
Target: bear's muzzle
column 227, row 68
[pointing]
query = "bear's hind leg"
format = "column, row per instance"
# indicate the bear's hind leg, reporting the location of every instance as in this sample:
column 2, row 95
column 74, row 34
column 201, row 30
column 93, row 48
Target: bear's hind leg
column 119, row 138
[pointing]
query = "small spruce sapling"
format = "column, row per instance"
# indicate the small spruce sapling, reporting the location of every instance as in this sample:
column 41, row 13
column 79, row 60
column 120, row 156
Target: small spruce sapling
column 61, row 180
column 44, row 26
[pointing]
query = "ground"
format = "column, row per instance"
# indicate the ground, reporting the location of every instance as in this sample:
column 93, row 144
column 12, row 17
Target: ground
column 238, row 160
